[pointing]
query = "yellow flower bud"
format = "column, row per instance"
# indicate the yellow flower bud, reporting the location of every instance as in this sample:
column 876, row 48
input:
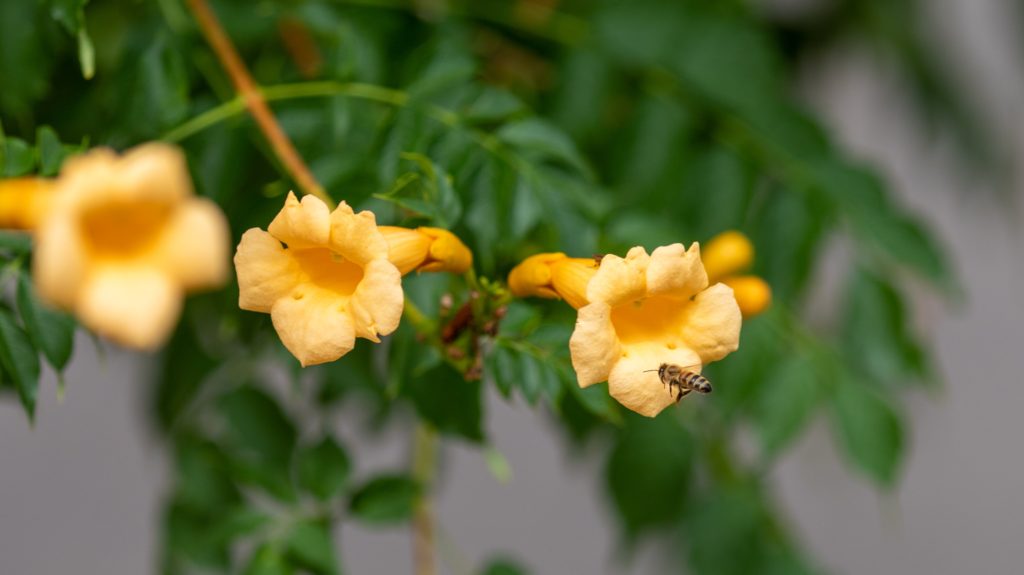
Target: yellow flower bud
column 426, row 249
column 24, row 201
column 727, row 254
column 554, row 276
column 753, row 294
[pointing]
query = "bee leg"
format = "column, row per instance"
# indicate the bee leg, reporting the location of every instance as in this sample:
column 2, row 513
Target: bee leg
column 682, row 393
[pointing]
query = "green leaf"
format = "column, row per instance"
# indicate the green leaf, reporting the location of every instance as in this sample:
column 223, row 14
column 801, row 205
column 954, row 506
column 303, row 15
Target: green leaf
column 868, row 429
column 17, row 243
column 385, row 499
column 19, row 158
column 427, row 191
column 323, row 468
column 51, row 151
column 51, row 331
column 267, row 560
column 20, row 361
column 648, row 473
column 537, row 139
column 310, row 546
column 787, row 400
column 447, row 400
column 258, row 425
column 725, row 531
column 503, row 566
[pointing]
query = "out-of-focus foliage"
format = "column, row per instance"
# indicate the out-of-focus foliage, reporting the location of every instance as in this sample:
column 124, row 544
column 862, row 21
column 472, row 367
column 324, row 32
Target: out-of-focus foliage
column 524, row 126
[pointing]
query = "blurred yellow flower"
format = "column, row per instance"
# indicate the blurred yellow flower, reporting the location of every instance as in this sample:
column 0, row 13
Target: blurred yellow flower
column 725, row 257
column 426, row 250
column 332, row 283
column 25, row 201
column 554, row 276
column 124, row 238
column 646, row 310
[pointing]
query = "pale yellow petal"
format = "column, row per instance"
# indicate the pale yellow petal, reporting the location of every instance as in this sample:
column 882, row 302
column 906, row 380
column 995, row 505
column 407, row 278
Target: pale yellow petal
column 154, row 172
column 634, row 380
column 711, row 323
column 594, row 347
column 194, row 248
column 135, row 306
column 570, row 278
column 407, row 248
column 60, row 261
column 313, row 325
column 376, row 305
column 266, row 272
column 619, row 280
column 676, row 272
column 355, row 236
column 304, row 224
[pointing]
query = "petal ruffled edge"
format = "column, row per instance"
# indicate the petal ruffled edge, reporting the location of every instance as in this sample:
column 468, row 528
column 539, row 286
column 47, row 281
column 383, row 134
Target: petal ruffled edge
column 315, row 328
column 266, row 273
column 355, row 235
column 300, row 225
column 378, row 301
column 60, row 261
column 676, row 272
column 634, row 380
column 711, row 326
column 619, row 280
column 594, row 347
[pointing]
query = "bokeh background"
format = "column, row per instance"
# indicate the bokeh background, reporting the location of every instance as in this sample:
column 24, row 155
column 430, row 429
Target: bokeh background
column 81, row 491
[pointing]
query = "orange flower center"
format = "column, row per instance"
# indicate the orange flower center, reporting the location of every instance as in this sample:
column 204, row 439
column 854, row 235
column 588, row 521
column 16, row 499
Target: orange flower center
column 328, row 270
column 124, row 230
column 655, row 319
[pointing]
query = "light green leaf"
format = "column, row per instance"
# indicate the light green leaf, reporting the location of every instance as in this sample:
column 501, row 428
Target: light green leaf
column 310, row 546
column 786, row 401
column 267, row 560
column 19, row 158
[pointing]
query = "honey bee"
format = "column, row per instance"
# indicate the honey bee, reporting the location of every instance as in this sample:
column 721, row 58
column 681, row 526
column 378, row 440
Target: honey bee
column 674, row 376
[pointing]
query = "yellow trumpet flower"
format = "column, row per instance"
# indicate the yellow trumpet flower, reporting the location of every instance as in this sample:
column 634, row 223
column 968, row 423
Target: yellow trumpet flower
column 553, row 276
column 426, row 249
column 725, row 256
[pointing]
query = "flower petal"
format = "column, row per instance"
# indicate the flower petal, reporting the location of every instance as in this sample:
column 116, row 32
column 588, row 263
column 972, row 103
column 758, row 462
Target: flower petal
column 676, row 272
column 619, row 280
column 60, row 261
column 266, row 272
column 711, row 326
column 727, row 254
column 377, row 303
column 355, row 236
column 155, row 172
column 194, row 248
column 634, row 385
column 753, row 294
column 532, row 276
column 314, row 325
column 136, row 306
column 407, row 248
column 594, row 347
column 304, row 224
column 447, row 252
column 570, row 278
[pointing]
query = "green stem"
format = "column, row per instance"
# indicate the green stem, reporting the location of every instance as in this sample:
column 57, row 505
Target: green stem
column 424, row 463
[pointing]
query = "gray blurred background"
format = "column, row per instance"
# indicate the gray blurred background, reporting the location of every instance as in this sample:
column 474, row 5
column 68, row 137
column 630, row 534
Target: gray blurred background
column 79, row 493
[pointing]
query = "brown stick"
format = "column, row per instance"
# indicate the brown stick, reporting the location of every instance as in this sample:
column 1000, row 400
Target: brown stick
column 254, row 101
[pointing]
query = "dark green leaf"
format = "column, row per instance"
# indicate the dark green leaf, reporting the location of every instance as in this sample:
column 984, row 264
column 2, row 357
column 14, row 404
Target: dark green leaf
column 725, row 532
column 869, row 431
column 51, row 151
column 448, row 400
column 503, row 566
column 19, row 158
column 786, row 402
column 17, row 243
column 535, row 138
column 323, row 468
column 258, row 425
column 51, row 331
column 20, row 361
column 427, row 191
column 385, row 499
column 310, row 546
column 648, row 473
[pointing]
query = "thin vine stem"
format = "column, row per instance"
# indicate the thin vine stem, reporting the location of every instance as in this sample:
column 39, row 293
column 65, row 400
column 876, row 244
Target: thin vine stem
column 424, row 465
column 250, row 96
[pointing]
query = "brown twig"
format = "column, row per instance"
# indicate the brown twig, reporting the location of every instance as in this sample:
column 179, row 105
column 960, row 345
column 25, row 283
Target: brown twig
column 424, row 462
column 250, row 93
